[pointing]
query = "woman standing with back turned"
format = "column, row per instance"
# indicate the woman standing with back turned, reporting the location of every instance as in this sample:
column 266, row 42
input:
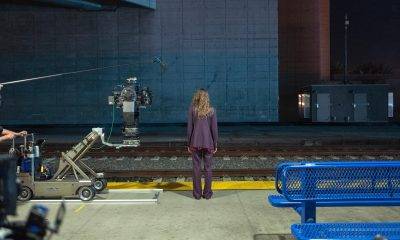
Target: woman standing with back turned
column 202, row 134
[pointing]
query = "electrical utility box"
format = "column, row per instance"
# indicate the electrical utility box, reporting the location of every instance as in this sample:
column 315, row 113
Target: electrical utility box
column 346, row 103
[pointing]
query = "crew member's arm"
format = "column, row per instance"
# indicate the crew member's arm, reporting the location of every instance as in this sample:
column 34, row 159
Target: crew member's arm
column 8, row 135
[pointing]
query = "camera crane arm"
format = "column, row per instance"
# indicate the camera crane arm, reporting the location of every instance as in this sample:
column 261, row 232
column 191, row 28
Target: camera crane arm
column 157, row 60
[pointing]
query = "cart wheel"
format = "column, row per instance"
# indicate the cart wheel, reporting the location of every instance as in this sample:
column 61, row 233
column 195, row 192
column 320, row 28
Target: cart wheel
column 25, row 194
column 100, row 184
column 86, row 193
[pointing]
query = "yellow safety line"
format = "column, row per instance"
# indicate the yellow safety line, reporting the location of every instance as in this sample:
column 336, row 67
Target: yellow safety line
column 79, row 209
column 185, row 186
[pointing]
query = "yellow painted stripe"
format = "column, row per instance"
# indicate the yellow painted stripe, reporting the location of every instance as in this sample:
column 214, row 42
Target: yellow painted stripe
column 185, row 186
column 79, row 209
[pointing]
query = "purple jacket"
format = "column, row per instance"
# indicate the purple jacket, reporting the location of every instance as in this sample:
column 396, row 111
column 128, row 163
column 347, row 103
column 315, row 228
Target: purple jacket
column 202, row 133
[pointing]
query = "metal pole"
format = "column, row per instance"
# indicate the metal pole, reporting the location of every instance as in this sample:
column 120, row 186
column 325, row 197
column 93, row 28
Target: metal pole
column 162, row 64
column 346, row 56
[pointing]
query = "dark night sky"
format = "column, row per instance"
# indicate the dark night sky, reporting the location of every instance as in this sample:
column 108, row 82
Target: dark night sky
column 374, row 31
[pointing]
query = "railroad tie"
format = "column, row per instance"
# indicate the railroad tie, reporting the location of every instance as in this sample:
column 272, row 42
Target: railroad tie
column 180, row 179
column 226, row 179
column 248, row 178
column 158, row 180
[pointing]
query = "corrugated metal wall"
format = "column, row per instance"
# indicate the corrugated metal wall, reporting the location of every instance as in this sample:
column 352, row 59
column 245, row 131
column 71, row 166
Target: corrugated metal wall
column 229, row 45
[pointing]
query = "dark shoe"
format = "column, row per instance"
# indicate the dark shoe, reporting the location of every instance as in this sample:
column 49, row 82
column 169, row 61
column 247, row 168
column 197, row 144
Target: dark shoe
column 206, row 197
column 197, row 198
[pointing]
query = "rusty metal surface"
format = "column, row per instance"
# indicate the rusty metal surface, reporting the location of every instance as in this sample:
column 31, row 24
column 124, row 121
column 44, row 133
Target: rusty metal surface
column 188, row 173
column 284, row 151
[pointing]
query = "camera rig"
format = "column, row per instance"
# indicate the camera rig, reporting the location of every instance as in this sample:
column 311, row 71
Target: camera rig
column 130, row 98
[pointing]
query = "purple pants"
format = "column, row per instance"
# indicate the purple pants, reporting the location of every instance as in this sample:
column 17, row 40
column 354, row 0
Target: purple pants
column 197, row 155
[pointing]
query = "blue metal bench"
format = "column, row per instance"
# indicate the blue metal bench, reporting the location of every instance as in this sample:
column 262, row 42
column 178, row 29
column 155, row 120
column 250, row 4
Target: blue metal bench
column 350, row 231
column 348, row 183
column 280, row 167
column 306, row 186
column 282, row 202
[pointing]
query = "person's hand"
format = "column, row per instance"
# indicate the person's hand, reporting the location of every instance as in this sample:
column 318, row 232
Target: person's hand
column 215, row 150
column 10, row 136
column 22, row 134
column 188, row 149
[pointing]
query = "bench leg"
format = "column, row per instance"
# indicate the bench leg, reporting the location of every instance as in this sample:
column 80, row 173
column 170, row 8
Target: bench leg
column 308, row 212
column 299, row 210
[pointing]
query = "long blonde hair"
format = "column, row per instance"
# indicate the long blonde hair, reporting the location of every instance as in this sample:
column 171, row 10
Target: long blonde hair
column 201, row 104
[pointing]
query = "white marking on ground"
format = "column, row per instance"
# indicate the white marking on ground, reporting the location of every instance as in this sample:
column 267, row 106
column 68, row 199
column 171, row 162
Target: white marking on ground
column 152, row 200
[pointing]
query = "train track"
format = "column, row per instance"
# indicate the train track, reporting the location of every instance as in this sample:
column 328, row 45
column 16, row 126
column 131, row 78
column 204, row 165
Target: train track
column 256, row 173
column 188, row 173
column 284, row 151
column 54, row 150
column 178, row 149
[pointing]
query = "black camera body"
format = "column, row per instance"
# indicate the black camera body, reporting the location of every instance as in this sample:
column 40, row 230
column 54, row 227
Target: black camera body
column 8, row 186
column 37, row 226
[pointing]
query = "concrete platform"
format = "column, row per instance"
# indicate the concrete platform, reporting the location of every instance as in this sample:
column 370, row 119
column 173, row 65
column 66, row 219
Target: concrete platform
column 229, row 215
column 243, row 134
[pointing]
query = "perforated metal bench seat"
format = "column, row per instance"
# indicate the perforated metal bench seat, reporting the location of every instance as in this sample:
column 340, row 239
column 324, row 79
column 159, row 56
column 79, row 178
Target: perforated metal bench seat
column 346, row 231
column 282, row 166
column 281, row 201
column 306, row 186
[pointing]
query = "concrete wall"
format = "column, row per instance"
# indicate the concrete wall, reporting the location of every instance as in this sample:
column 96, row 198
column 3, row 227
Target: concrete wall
column 229, row 45
column 304, row 50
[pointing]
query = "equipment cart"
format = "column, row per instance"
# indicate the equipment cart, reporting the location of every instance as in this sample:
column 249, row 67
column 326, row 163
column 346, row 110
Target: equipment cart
column 72, row 178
